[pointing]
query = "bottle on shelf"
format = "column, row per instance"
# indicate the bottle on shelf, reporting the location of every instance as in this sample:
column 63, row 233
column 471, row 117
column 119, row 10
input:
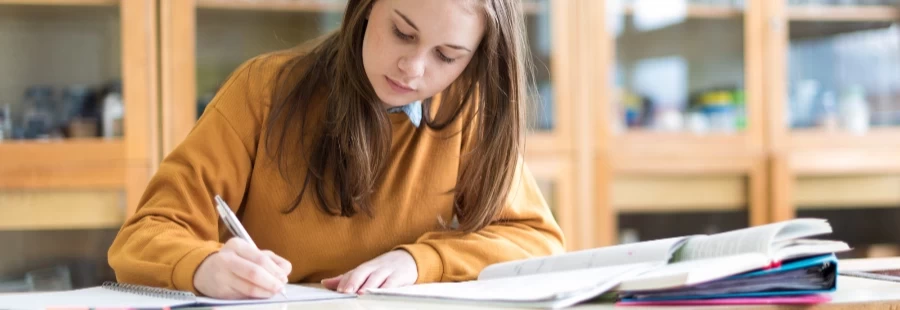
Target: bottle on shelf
column 827, row 116
column 718, row 108
column 78, row 117
column 546, row 116
column 5, row 122
column 113, row 111
column 802, row 103
column 740, row 109
column 855, row 110
column 39, row 117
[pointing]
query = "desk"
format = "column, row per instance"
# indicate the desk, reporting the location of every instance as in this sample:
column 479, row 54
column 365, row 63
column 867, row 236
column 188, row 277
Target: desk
column 852, row 293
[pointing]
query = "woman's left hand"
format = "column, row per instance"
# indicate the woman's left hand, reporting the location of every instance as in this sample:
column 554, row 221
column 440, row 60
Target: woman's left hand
column 391, row 269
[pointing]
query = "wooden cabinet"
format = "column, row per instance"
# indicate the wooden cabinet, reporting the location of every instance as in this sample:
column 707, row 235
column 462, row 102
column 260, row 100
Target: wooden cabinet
column 66, row 180
column 694, row 107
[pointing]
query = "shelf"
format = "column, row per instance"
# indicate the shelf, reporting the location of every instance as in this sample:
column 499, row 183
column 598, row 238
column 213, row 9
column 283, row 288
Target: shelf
column 653, row 142
column 65, row 164
column 62, row 2
column 51, row 210
column 699, row 11
column 872, row 13
column 817, row 152
column 844, row 161
column 809, row 30
column 876, row 138
column 648, row 152
column 680, row 164
column 295, row 6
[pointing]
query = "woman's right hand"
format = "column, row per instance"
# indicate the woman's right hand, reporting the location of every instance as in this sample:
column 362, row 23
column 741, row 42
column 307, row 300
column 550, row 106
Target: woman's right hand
column 240, row 271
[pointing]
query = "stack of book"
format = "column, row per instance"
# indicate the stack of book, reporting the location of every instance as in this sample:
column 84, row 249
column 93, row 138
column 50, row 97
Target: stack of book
column 768, row 264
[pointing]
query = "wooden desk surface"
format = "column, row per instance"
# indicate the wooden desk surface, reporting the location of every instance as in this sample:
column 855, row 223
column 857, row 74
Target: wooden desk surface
column 852, row 293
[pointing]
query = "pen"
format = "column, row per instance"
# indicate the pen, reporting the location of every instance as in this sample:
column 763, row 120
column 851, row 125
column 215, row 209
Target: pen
column 234, row 225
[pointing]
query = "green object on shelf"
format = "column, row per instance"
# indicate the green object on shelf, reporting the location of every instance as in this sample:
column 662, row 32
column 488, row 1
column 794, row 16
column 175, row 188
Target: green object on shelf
column 740, row 105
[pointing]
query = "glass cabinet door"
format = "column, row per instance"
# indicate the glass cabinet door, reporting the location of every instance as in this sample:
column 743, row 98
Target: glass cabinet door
column 206, row 40
column 836, row 111
column 683, row 99
column 843, row 67
column 680, row 66
column 76, row 144
column 232, row 32
column 551, row 26
column 61, row 63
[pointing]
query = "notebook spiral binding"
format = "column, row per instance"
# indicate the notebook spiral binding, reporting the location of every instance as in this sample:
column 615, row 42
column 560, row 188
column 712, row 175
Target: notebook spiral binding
column 149, row 291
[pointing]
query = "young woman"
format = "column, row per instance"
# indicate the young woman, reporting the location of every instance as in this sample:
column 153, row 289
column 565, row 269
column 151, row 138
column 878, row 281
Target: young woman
column 387, row 154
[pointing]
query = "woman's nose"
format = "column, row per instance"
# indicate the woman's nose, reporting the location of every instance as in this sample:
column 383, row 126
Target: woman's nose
column 412, row 65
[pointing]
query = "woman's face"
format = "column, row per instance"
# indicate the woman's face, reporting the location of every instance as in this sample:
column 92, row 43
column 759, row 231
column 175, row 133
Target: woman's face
column 414, row 49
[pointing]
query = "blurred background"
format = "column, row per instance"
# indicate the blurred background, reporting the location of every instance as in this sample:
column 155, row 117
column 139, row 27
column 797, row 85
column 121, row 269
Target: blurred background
column 651, row 118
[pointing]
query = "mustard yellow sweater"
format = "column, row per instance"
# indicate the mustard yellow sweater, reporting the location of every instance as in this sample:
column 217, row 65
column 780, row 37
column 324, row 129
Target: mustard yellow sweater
column 176, row 226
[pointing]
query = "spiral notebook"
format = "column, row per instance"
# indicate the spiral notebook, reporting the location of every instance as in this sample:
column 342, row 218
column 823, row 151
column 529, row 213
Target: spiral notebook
column 117, row 295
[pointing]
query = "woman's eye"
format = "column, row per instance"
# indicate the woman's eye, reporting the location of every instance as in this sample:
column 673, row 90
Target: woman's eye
column 402, row 35
column 444, row 58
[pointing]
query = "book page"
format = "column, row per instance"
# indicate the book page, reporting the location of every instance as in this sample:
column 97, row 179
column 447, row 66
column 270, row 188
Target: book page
column 530, row 288
column 748, row 240
column 643, row 252
column 805, row 247
column 802, row 228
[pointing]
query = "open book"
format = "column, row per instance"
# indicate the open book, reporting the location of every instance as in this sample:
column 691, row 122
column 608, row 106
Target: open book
column 566, row 279
column 127, row 296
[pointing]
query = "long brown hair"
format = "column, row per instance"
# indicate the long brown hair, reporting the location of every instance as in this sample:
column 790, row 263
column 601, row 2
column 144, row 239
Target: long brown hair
column 353, row 142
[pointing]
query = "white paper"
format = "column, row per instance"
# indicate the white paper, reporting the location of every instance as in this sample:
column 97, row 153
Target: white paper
column 293, row 292
column 655, row 14
column 644, row 252
column 100, row 297
column 530, row 288
column 804, row 247
column 694, row 272
column 95, row 297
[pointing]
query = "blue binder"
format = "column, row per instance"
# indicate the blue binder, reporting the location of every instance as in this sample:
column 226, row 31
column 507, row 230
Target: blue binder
column 812, row 275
